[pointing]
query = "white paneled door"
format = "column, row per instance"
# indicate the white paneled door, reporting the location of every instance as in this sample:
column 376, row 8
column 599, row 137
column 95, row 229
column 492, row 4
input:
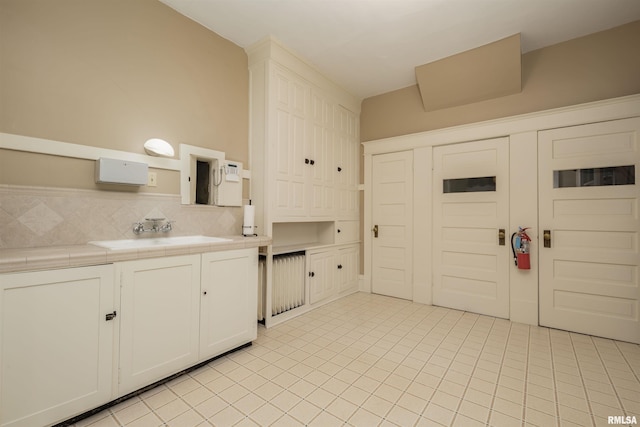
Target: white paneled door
column 392, row 219
column 589, row 194
column 470, row 216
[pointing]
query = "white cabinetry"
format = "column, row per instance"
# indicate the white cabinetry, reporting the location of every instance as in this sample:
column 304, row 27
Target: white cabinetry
column 346, row 162
column 177, row 311
column 292, row 149
column 68, row 344
column 314, row 154
column 304, row 130
column 332, row 272
column 304, row 153
column 56, row 346
column 160, row 318
column 348, row 271
column 323, row 159
column 321, row 275
column 228, row 301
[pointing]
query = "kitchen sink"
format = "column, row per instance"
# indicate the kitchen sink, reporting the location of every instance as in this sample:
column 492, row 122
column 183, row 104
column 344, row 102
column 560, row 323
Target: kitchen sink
column 156, row 242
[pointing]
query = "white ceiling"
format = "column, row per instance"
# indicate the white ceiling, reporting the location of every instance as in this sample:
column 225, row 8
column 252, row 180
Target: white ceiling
column 371, row 47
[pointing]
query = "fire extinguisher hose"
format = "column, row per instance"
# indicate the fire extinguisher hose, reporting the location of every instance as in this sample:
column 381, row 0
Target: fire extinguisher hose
column 513, row 249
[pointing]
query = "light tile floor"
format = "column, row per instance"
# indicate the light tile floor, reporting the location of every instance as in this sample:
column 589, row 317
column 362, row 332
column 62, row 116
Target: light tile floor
column 369, row 360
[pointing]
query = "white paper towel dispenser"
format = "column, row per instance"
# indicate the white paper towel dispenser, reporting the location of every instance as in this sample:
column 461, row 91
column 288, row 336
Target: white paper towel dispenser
column 113, row 171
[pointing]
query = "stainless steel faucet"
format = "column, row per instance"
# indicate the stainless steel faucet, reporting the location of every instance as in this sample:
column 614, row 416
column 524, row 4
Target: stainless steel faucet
column 156, row 227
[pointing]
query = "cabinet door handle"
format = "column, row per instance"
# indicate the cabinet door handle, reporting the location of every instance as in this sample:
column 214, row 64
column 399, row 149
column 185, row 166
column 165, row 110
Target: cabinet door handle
column 110, row 316
column 306, row 161
column 501, row 237
column 313, row 162
column 312, row 274
column 339, row 231
column 339, row 266
column 339, row 169
column 375, row 230
column 204, row 293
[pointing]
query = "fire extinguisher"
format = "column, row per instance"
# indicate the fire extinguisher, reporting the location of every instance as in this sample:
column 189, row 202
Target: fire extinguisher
column 520, row 248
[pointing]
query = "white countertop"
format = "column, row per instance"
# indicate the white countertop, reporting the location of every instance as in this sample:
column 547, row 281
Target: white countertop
column 51, row 257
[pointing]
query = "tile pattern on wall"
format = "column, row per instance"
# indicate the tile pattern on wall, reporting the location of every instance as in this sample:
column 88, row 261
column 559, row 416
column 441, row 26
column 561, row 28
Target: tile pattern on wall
column 37, row 216
column 370, row 360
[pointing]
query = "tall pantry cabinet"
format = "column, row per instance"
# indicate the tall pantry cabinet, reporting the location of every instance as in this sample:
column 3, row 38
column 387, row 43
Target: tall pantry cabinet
column 304, row 159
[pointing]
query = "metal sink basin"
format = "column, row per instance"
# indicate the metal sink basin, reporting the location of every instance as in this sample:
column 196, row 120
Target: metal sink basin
column 157, row 242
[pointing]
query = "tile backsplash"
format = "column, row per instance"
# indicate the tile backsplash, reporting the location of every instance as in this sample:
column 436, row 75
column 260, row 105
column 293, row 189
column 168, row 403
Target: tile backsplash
column 41, row 216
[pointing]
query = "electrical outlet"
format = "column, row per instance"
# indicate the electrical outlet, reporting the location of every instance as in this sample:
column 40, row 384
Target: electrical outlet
column 153, row 180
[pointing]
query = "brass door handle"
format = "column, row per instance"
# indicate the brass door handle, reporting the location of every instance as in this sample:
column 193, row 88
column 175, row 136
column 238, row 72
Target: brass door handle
column 501, row 237
column 375, row 230
column 546, row 235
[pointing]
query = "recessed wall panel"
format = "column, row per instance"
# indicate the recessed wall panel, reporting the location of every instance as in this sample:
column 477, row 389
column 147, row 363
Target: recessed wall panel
column 470, row 261
column 469, row 235
column 606, row 144
column 614, row 208
column 596, row 240
column 596, row 272
column 487, row 209
column 596, row 305
column 465, row 286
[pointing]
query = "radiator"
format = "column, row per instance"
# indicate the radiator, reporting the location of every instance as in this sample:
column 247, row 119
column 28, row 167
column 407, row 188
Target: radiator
column 288, row 282
column 262, row 286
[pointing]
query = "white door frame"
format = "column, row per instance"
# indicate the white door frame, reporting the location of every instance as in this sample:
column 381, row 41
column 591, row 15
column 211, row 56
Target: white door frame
column 522, row 131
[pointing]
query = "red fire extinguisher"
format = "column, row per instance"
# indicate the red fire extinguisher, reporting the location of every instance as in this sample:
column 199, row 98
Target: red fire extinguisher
column 520, row 248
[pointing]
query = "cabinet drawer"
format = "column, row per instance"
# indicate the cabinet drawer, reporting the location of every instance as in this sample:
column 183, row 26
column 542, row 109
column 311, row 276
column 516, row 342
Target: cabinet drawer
column 346, row 231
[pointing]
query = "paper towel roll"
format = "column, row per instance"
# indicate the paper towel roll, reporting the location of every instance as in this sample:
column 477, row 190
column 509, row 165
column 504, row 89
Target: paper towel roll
column 248, row 224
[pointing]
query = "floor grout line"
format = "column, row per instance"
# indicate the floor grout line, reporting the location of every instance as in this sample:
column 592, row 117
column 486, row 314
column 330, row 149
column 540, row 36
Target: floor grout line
column 584, row 387
column 526, row 374
column 415, row 356
column 604, row 366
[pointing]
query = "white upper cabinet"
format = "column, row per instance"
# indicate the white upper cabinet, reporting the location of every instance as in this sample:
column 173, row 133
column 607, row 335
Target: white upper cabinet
column 304, row 141
column 322, row 161
column 292, row 148
column 346, row 163
column 315, row 152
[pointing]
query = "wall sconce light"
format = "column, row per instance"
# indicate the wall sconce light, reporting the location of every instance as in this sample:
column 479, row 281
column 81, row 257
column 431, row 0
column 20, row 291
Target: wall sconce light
column 158, row 147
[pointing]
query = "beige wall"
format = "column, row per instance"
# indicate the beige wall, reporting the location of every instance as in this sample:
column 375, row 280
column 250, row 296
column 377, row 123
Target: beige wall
column 112, row 74
column 598, row 66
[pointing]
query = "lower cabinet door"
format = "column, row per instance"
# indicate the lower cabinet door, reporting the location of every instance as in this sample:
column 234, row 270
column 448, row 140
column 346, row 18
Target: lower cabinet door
column 349, row 260
column 322, row 273
column 160, row 304
column 56, row 350
column 229, row 299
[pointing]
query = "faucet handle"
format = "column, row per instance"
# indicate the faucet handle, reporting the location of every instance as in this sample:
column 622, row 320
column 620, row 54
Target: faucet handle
column 138, row 228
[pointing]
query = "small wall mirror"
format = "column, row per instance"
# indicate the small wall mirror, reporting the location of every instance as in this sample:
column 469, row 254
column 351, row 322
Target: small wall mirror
column 198, row 174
